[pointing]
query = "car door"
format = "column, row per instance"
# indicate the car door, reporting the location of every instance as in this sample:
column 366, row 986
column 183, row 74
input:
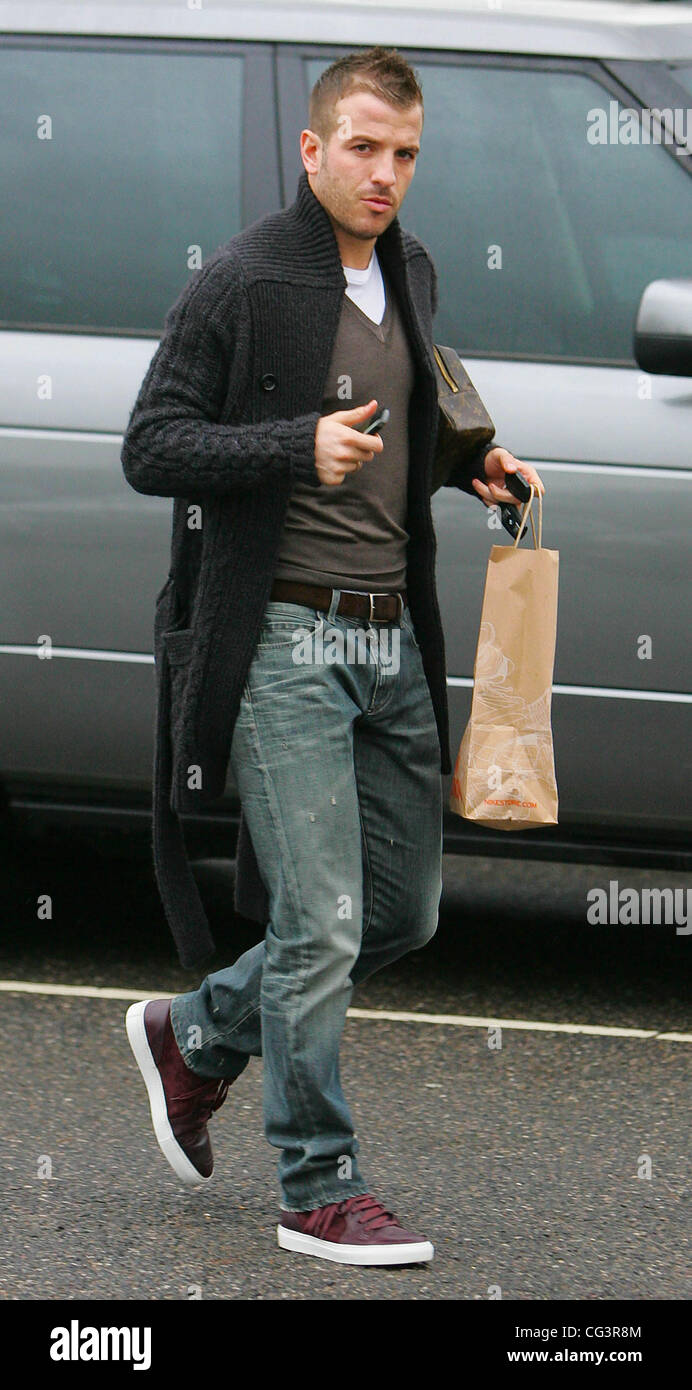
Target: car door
column 544, row 242
column 125, row 164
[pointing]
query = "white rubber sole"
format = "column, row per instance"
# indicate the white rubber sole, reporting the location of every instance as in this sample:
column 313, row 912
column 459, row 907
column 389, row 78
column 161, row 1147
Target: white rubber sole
column 167, row 1142
column 354, row 1254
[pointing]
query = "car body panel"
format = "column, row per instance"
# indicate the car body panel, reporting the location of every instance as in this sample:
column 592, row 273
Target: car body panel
column 561, row 27
column 83, row 556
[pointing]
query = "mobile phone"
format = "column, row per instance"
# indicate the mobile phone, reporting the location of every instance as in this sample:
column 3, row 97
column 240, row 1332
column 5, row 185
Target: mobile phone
column 377, row 422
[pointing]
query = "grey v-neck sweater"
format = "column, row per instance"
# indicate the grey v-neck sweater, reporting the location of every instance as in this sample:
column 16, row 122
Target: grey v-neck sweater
column 354, row 536
column 225, row 423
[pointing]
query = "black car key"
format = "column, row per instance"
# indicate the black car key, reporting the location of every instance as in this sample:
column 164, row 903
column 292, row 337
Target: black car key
column 520, row 487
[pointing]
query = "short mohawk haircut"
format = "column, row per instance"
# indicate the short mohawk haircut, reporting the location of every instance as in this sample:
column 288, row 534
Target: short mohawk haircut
column 379, row 70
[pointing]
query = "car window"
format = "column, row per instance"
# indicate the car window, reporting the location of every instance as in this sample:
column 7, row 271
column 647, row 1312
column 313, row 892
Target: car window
column 543, row 241
column 683, row 75
column 113, row 166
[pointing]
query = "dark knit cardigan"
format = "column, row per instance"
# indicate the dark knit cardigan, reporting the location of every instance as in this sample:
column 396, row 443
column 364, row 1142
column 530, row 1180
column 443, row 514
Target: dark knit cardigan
column 225, row 423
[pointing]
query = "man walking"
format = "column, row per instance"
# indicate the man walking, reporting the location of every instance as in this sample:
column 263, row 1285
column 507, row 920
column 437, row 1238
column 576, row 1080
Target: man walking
column 295, row 533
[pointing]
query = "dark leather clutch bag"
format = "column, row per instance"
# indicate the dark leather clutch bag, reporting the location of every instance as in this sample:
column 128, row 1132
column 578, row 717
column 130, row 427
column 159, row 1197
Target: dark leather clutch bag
column 464, row 424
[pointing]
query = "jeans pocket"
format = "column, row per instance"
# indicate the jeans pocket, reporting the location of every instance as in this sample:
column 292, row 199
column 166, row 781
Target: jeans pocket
column 407, row 622
column 282, row 628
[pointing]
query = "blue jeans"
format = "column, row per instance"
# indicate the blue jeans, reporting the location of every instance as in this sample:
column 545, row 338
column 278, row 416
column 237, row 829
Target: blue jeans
column 337, row 764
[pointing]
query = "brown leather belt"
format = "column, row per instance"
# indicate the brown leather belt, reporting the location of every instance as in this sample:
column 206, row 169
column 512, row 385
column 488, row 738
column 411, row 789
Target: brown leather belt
column 376, row 607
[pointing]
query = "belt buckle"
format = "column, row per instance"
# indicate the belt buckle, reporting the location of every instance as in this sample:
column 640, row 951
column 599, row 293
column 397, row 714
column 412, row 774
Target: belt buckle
column 379, row 594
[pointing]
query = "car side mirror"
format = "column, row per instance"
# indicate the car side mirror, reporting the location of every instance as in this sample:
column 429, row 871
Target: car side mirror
column 663, row 328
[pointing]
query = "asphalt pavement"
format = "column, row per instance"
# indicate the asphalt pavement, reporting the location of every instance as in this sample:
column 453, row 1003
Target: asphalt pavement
column 543, row 1164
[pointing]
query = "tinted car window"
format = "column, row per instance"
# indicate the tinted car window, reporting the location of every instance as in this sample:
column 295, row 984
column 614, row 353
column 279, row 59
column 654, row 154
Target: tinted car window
column 143, row 162
column 507, row 179
column 683, row 75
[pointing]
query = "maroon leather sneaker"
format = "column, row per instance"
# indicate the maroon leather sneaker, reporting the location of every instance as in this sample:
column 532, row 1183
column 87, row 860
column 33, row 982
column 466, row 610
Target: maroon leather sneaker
column 180, row 1102
column 357, row 1231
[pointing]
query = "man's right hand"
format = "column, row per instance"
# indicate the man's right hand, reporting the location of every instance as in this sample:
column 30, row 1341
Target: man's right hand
column 340, row 448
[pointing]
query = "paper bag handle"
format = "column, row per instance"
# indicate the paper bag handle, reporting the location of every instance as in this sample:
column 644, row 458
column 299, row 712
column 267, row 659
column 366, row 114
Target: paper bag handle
column 527, row 512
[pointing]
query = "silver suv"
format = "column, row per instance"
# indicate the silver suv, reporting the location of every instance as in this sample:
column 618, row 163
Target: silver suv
column 554, row 191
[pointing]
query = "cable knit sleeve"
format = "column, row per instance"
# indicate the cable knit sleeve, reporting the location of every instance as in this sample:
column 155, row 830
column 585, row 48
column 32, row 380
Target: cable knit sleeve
column 173, row 445
column 462, row 477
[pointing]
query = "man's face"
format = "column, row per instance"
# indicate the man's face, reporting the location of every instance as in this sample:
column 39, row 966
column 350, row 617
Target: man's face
column 362, row 174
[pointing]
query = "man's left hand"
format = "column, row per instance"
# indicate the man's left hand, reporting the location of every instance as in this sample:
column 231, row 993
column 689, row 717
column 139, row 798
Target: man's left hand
column 497, row 463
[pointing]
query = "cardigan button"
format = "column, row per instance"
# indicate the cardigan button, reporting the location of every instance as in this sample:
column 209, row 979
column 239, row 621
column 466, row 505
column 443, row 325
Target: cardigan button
column 268, row 381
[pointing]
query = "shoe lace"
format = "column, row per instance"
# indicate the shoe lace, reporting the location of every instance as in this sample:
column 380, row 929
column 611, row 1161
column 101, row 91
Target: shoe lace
column 209, row 1097
column 369, row 1212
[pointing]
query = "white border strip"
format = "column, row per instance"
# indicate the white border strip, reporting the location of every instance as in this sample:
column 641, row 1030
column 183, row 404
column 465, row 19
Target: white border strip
column 377, row 1015
column 147, row 659
column 600, row 692
column 627, row 470
column 77, row 654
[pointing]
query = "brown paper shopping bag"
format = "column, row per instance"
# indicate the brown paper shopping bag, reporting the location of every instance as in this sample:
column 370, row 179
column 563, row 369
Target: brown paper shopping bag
column 504, row 776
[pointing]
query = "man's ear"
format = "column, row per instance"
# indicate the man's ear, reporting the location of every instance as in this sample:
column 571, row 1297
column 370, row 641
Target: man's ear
column 310, row 150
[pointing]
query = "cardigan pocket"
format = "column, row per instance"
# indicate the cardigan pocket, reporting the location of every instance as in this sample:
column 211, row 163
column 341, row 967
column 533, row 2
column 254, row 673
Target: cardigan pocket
column 178, row 646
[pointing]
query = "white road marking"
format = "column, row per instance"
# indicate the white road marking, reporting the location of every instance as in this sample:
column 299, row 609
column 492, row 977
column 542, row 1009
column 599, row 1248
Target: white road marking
column 378, row 1015
column 81, row 991
column 525, row 1025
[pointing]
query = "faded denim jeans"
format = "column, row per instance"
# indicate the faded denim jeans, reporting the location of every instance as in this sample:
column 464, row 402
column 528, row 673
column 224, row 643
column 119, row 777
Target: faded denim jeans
column 337, row 764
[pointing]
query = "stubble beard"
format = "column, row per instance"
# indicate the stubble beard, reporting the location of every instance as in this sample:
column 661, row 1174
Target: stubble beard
column 338, row 207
